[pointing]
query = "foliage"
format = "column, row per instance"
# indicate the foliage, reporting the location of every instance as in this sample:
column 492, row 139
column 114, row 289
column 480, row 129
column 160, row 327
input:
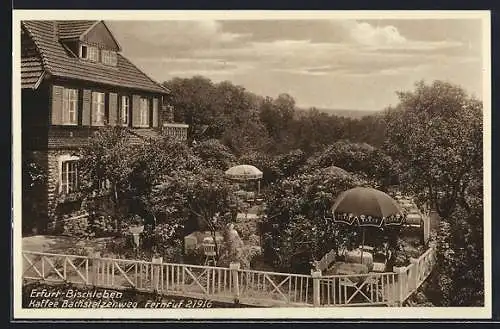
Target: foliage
column 163, row 240
column 107, row 157
column 363, row 159
column 459, row 271
column 296, row 211
column 203, row 194
column 214, row 154
column 78, row 228
column 437, row 136
column 34, row 176
column 103, row 225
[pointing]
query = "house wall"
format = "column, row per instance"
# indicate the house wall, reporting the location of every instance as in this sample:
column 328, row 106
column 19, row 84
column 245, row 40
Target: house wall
column 100, row 36
column 112, row 103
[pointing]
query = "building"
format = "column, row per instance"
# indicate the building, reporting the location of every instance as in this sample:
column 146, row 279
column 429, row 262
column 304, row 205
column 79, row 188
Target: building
column 75, row 80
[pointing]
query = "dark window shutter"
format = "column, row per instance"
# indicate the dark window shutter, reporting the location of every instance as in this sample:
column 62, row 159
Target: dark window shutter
column 155, row 112
column 57, row 105
column 87, row 95
column 136, row 110
column 113, row 109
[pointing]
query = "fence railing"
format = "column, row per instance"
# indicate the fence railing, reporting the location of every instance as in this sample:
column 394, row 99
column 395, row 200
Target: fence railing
column 365, row 289
column 219, row 283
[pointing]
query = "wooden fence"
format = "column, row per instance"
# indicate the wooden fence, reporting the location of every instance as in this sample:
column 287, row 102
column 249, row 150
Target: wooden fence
column 229, row 284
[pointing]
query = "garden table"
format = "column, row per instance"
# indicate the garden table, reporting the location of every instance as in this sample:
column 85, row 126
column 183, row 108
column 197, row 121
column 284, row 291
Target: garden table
column 357, row 257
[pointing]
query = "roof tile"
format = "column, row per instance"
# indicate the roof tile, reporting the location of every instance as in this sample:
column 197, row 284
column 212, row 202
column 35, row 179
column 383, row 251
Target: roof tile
column 59, row 62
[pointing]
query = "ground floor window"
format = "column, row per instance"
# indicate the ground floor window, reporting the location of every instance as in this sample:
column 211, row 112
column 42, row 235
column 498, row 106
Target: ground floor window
column 68, row 174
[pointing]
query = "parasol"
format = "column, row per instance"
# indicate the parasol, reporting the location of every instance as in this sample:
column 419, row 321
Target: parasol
column 366, row 206
column 245, row 172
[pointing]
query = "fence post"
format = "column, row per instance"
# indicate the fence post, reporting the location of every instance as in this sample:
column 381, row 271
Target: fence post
column 156, row 262
column 95, row 267
column 316, row 274
column 402, row 279
column 235, row 267
column 413, row 273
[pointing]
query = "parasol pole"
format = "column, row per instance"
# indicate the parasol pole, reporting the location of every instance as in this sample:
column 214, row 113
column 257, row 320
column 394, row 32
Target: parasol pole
column 362, row 243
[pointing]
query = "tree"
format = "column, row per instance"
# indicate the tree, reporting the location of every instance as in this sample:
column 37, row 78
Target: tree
column 214, row 154
column 437, row 136
column 296, row 211
column 203, row 194
column 360, row 158
column 193, row 102
column 107, row 159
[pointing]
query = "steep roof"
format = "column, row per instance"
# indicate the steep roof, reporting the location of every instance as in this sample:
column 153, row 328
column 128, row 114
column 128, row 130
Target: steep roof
column 58, row 61
column 73, row 29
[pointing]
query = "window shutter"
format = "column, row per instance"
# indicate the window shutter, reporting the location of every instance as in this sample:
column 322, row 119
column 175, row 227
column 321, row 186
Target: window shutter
column 86, row 107
column 113, row 108
column 155, row 112
column 136, row 110
column 57, row 105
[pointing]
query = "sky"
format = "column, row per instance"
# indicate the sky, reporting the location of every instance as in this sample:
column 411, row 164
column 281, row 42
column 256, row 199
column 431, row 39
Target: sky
column 332, row 64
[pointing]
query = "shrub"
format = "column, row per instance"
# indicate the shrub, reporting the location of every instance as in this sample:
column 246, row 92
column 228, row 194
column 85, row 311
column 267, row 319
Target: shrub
column 103, row 225
column 78, row 228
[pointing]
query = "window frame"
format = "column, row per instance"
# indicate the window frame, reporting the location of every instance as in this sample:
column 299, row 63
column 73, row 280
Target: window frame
column 82, row 46
column 124, row 110
column 93, row 53
column 144, row 113
column 108, row 57
column 69, row 105
column 95, row 105
column 67, row 185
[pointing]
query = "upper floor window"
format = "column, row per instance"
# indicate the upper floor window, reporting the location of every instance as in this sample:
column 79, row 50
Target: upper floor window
column 70, row 106
column 144, row 113
column 124, row 110
column 108, row 57
column 89, row 52
column 98, row 114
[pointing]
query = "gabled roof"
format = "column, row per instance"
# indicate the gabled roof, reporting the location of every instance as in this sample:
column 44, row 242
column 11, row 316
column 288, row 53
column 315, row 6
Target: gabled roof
column 57, row 61
column 74, row 29
column 77, row 30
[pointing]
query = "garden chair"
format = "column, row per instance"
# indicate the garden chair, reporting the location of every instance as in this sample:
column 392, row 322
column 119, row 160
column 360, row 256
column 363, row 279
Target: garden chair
column 379, row 261
column 374, row 291
column 210, row 253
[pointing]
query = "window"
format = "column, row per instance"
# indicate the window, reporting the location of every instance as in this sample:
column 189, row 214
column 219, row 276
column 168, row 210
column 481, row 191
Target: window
column 98, row 114
column 108, row 57
column 144, row 113
column 89, row 52
column 70, row 106
column 83, row 52
column 69, row 175
column 93, row 54
column 124, row 110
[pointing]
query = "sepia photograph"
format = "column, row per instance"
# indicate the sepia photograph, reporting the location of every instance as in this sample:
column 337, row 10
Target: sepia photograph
column 184, row 165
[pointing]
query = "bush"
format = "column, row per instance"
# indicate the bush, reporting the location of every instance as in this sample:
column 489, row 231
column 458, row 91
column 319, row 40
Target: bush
column 78, row 228
column 103, row 226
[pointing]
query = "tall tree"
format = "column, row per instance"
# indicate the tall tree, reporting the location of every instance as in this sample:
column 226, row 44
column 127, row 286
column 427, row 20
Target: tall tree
column 437, row 136
column 202, row 194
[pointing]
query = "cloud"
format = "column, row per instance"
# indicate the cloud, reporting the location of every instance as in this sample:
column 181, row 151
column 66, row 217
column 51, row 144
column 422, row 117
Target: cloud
column 366, row 34
column 304, row 57
column 161, row 38
column 386, row 37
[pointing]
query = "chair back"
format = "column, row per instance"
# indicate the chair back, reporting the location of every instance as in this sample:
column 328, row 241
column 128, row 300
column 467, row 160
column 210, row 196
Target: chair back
column 209, row 249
